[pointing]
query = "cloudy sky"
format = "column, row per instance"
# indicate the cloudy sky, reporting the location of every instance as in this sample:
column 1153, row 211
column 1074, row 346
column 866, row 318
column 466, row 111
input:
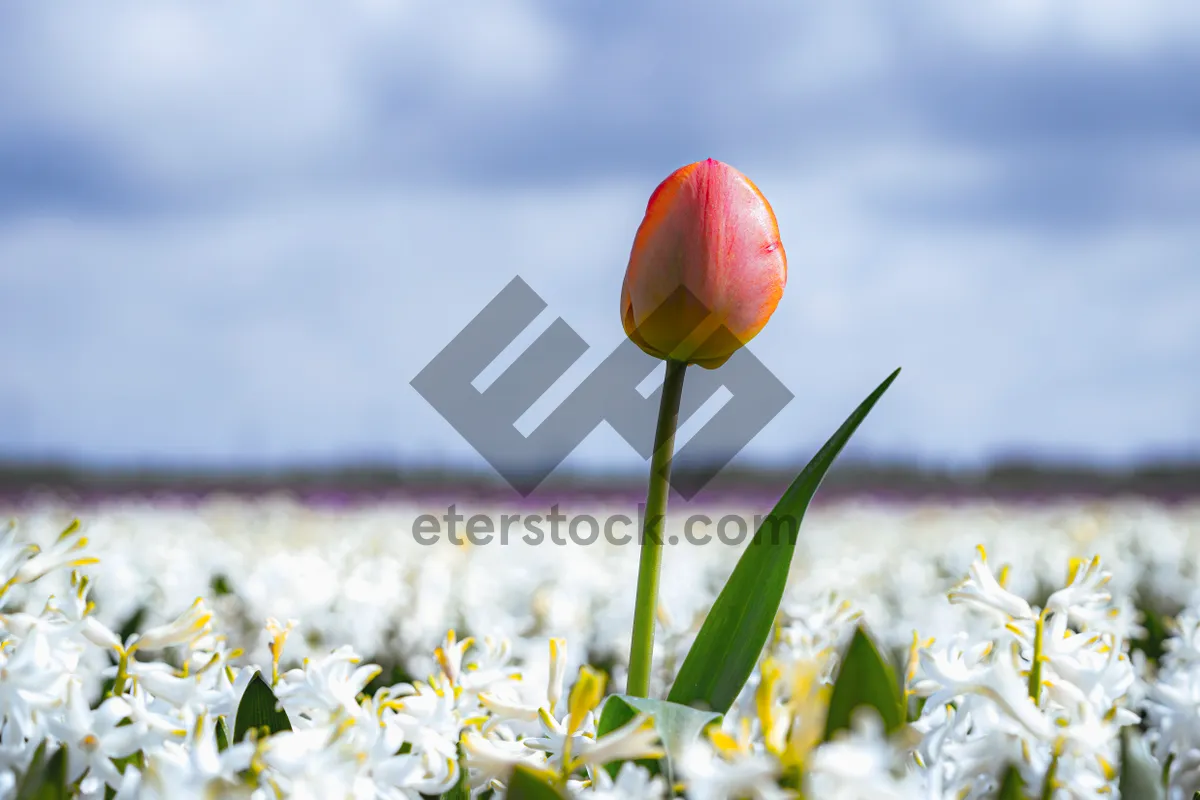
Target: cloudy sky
column 232, row 233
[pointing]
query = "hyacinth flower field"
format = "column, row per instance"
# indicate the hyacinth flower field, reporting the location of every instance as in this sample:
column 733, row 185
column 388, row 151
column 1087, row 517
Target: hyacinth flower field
column 1049, row 647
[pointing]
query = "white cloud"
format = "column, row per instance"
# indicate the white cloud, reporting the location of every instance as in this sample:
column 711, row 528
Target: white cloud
column 1114, row 27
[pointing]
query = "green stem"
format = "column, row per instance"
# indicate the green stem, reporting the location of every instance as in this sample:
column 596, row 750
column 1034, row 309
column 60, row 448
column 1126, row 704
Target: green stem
column 1051, row 781
column 122, row 674
column 1035, row 666
column 641, row 649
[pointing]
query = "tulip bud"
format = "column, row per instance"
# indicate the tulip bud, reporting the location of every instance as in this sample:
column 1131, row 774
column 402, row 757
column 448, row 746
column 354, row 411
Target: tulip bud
column 707, row 268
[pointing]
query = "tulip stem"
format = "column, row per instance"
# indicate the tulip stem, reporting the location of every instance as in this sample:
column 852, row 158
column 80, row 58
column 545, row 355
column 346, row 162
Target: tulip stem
column 641, row 651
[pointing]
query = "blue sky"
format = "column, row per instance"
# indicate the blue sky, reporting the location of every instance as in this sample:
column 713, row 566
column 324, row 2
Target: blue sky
column 232, row 233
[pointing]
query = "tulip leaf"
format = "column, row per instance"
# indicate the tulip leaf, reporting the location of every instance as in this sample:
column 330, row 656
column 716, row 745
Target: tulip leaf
column 864, row 679
column 1140, row 776
column 732, row 637
column 1012, row 787
column 678, row 726
column 259, row 709
column 530, row 784
column 615, row 713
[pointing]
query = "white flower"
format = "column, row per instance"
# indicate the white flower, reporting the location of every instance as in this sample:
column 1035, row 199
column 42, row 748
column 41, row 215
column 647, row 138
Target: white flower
column 196, row 768
column 326, row 686
column 189, row 627
column 94, row 738
column 636, row 739
column 1084, row 593
column 981, row 590
column 710, row 777
column 633, row 782
column 558, row 670
column 305, row 763
column 33, row 679
column 491, row 759
column 859, row 766
column 430, row 717
column 490, row 668
column 65, row 552
column 557, row 741
column 13, row 553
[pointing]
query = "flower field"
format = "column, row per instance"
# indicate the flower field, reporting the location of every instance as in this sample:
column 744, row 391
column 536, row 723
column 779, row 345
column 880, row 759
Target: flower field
column 232, row 648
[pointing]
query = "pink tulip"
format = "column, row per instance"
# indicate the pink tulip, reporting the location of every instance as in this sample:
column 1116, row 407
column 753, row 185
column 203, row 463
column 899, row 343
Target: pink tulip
column 707, row 268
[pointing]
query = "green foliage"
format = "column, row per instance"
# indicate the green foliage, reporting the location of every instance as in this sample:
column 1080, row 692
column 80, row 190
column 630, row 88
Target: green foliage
column 916, row 707
column 737, row 626
column 220, row 585
column 527, row 784
column 678, row 726
column 222, row 733
column 1140, row 775
column 1012, row 787
column 46, row 778
column 1152, row 642
column 1050, row 782
column 136, row 759
column 864, row 679
column 259, row 709
column 1035, row 668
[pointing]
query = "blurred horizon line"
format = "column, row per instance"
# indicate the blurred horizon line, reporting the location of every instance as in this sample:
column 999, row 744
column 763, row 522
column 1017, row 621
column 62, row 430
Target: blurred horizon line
column 1015, row 478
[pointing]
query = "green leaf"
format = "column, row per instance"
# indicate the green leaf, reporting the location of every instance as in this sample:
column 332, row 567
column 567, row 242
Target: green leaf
column 135, row 759
column 615, row 713
column 1012, row 787
column 33, row 776
column 1141, row 775
column 259, row 709
column 46, row 779
column 737, row 626
column 864, row 679
column 678, row 726
column 528, row 784
column 222, row 732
